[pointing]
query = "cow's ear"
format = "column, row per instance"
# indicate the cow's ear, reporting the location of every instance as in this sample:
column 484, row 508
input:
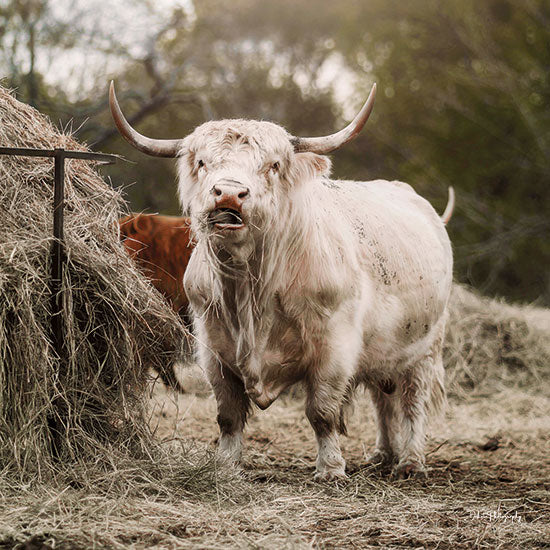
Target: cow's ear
column 143, row 223
column 321, row 164
column 311, row 165
column 125, row 225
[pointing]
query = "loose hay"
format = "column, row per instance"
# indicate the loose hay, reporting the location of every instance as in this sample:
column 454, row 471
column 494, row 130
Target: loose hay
column 491, row 344
column 116, row 325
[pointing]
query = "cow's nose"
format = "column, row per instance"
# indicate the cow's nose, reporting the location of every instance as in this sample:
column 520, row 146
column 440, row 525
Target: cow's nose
column 230, row 193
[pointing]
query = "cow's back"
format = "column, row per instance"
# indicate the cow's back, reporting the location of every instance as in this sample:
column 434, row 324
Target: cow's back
column 402, row 238
column 406, row 257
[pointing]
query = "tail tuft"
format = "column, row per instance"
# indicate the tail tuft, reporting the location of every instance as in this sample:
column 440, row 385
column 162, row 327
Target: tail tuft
column 446, row 216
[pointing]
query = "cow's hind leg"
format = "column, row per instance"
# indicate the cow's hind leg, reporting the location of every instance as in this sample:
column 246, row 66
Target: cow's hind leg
column 413, row 397
column 233, row 407
column 419, row 387
column 384, row 400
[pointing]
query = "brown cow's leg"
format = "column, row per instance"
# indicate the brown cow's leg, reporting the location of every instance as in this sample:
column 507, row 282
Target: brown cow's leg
column 323, row 405
column 387, row 436
column 233, row 407
column 167, row 374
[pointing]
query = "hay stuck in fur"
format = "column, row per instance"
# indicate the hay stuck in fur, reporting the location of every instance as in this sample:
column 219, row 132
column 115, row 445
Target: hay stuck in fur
column 116, row 325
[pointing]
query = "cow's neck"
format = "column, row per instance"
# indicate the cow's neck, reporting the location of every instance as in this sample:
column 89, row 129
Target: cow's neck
column 242, row 290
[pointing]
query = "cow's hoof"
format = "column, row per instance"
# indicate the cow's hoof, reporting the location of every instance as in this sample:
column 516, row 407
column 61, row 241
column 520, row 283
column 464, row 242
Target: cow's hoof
column 330, row 475
column 380, row 459
column 228, row 461
column 229, row 457
column 408, row 470
column 229, row 448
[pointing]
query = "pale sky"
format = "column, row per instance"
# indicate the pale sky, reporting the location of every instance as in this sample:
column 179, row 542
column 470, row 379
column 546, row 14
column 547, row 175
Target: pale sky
column 134, row 22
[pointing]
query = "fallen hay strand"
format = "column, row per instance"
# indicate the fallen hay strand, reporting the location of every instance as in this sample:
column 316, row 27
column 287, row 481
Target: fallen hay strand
column 116, row 325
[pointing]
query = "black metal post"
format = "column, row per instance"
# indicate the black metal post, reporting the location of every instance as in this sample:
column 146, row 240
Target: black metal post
column 58, row 253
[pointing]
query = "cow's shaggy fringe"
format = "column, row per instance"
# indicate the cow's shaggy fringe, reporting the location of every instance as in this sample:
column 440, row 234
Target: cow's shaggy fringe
column 79, row 409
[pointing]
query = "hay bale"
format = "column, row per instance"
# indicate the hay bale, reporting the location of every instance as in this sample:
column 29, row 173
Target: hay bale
column 116, row 323
column 491, row 344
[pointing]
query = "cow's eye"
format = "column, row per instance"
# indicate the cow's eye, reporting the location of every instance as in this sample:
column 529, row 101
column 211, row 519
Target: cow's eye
column 275, row 167
column 201, row 164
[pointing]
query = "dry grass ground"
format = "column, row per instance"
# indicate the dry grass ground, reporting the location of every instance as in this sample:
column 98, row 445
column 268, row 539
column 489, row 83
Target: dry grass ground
column 489, row 485
column 473, row 498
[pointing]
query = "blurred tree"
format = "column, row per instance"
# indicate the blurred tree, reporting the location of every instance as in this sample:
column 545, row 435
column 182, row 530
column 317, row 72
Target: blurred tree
column 21, row 22
column 465, row 102
column 463, row 98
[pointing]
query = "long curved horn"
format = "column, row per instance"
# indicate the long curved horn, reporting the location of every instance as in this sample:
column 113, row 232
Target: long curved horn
column 326, row 144
column 153, row 147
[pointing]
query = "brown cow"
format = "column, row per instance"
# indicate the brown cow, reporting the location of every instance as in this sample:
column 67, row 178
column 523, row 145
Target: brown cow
column 161, row 246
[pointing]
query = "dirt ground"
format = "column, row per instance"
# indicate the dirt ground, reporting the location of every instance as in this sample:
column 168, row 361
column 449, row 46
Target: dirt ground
column 488, row 485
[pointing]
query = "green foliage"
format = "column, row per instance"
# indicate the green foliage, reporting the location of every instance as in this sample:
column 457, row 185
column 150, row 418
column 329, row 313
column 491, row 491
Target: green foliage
column 465, row 103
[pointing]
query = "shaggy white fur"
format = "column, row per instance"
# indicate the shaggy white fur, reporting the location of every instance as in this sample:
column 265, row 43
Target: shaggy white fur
column 332, row 283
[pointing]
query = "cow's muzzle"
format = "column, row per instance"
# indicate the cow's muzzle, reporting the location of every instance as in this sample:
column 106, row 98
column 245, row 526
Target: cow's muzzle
column 229, row 197
column 226, row 218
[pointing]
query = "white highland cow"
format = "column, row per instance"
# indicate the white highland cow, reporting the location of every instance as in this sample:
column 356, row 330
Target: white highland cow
column 300, row 278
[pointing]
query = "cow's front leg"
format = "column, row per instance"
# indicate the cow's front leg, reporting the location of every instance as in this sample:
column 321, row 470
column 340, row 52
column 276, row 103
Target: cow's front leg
column 325, row 397
column 233, row 406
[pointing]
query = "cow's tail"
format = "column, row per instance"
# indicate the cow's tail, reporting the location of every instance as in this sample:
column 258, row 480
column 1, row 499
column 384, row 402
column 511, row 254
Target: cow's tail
column 446, row 216
column 438, row 395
